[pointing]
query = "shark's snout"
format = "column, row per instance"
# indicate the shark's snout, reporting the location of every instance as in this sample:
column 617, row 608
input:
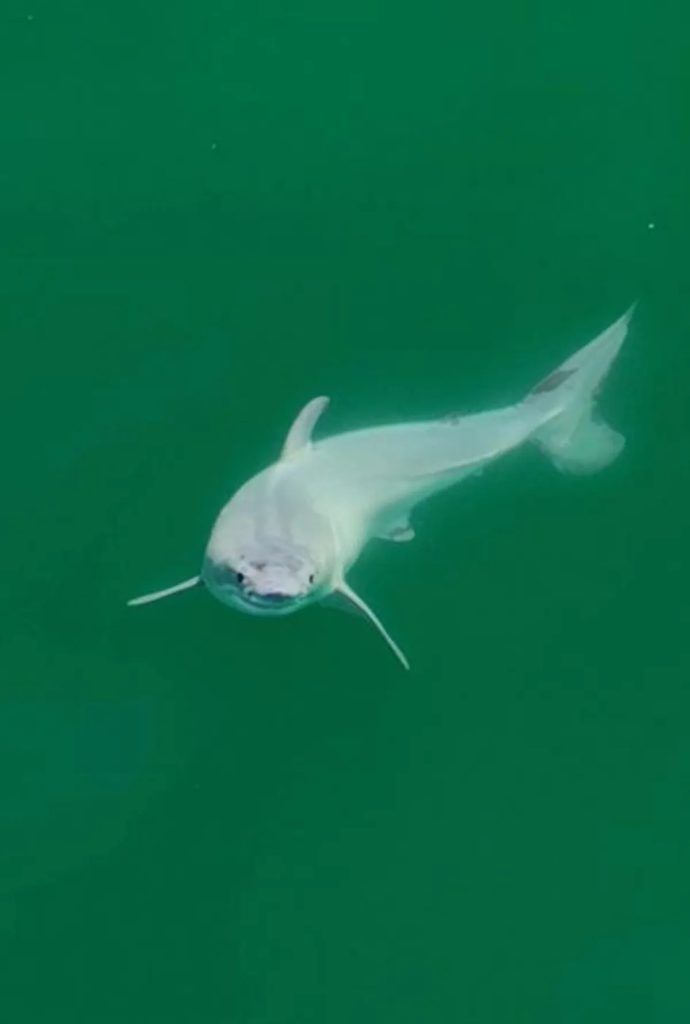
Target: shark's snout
column 269, row 583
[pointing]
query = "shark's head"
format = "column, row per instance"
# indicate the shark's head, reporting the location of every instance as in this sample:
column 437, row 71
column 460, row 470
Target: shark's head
column 271, row 578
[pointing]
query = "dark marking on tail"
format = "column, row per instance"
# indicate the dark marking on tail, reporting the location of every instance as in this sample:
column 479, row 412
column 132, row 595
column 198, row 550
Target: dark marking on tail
column 551, row 382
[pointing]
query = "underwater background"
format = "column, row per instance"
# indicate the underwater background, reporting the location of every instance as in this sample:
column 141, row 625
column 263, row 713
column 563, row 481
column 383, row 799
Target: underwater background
column 212, row 212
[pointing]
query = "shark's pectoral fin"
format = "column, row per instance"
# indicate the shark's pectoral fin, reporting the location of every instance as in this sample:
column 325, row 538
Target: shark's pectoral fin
column 147, row 598
column 346, row 594
column 299, row 435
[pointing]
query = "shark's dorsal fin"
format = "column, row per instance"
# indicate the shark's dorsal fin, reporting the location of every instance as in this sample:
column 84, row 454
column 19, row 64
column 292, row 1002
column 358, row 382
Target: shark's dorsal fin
column 346, row 592
column 299, row 434
column 147, row 598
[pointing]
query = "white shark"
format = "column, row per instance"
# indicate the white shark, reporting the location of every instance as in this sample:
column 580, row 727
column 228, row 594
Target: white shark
column 289, row 535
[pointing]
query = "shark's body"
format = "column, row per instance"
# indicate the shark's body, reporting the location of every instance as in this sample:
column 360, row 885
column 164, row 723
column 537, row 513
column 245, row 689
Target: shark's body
column 289, row 535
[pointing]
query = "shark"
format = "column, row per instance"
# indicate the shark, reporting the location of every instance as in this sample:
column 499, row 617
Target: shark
column 289, row 536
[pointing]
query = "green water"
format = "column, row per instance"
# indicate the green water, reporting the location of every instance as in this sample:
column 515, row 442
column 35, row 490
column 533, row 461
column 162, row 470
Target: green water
column 212, row 212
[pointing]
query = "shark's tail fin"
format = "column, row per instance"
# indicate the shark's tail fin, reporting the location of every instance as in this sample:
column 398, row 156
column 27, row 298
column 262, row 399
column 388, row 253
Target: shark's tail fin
column 574, row 438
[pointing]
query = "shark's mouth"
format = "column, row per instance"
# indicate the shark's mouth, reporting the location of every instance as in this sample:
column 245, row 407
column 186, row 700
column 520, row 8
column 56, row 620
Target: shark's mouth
column 271, row 603
column 273, row 599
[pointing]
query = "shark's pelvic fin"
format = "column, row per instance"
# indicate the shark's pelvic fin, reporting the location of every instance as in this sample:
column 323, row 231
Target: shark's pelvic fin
column 147, row 598
column 299, row 435
column 346, row 592
column 400, row 531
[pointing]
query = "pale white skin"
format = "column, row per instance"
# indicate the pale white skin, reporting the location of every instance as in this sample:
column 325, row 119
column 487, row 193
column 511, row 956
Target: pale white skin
column 289, row 535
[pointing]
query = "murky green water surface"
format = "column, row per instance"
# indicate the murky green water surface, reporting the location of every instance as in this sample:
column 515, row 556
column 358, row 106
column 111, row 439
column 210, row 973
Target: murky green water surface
column 211, row 213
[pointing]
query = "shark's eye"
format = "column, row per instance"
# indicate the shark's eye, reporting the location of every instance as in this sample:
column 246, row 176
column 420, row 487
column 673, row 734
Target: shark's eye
column 239, row 576
column 312, row 578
